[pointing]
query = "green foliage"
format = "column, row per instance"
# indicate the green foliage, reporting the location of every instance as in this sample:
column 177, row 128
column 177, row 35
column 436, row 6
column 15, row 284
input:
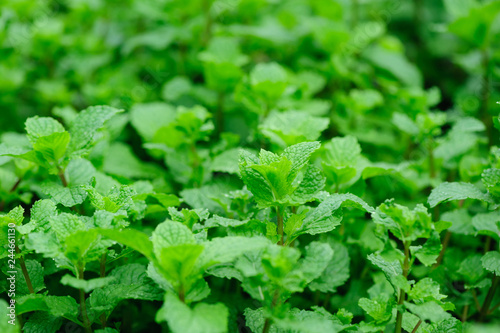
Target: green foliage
column 250, row 166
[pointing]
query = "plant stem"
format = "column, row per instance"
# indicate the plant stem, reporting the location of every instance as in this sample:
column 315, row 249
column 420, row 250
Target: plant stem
column 487, row 244
column 446, row 241
column 402, row 294
column 219, row 116
column 279, row 216
column 432, row 163
column 16, row 185
column 103, row 265
column 63, row 178
column 182, row 293
column 267, row 323
column 83, row 305
column 476, row 301
column 25, row 271
column 355, row 13
column 267, row 326
column 416, row 326
column 103, row 274
column 208, row 21
column 464, row 313
column 485, row 96
column 489, row 297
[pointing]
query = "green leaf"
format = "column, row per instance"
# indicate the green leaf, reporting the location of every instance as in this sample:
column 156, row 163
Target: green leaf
column 450, row 325
column 227, row 161
column 52, row 147
column 342, row 152
column 134, row 239
column 431, row 311
column 476, row 26
column 202, row 318
column 336, row 272
column 491, row 180
column 86, row 124
column 226, row 249
column 299, row 156
column 66, row 224
column 425, row 290
column 461, row 221
column 429, row 252
column 79, row 244
column 275, row 175
column 327, row 215
column 405, row 224
column 380, row 309
column 177, row 263
column 42, row 322
column 66, row 196
column 221, row 63
column 471, row 270
column 395, row 63
column 491, row 262
column 269, row 80
column 35, row 272
column 9, row 324
column 38, row 127
column 79, row 172
column 487, row 224
column 316, row 259
column 170, row 233
column 41, row 212
column 44, row 243
column 255, row 182
column 128, row 282
column 311, row 183
column 58, row 306
column 455, row 191
column 292, row 127
column 148, row 118
column 393, row 272
column 86, row 285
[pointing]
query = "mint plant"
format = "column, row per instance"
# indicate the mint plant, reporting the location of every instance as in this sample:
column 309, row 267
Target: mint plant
column 249, row 166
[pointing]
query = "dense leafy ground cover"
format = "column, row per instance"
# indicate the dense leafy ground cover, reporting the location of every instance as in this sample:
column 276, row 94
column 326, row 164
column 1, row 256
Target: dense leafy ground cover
column 260, row 166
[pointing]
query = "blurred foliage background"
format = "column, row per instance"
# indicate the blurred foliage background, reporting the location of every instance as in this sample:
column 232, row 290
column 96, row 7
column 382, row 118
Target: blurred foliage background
column 359, row 56
column 396, row 75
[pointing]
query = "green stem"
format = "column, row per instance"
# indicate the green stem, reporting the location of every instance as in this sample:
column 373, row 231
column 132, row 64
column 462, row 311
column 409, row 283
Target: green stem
column 182, row 293
column 464, row 313
column 355, row 13
column 416, row 326
column 16, row 185
column 485, row 96
column 207, row 32
column 103, row 274
column 489, row 298
column 219, row 116
column 25, row 271
column 267, row 323
column 63, row 178
column 446, row 241
column 402, row 294
column 487, row 244
column 83, row 305
column 432, row 163
column 279, row 216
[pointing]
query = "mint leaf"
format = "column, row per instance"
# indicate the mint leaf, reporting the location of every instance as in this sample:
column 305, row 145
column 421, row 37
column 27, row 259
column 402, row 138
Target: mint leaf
column 39, row 127
column 455, row 191
column 491, row 262
column 86, row 285
column 202, row 318
column 86, row 124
